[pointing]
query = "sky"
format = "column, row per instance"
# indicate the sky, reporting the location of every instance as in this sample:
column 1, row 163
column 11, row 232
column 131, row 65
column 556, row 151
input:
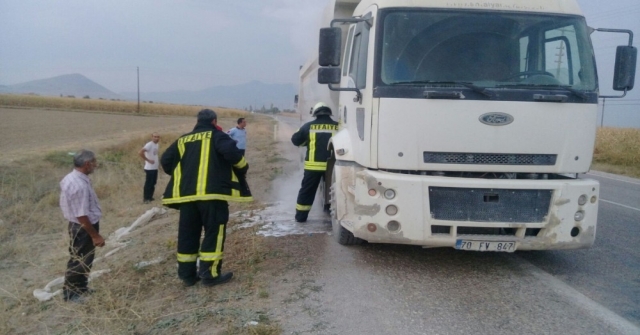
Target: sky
column 196, row 44
column 189, row 45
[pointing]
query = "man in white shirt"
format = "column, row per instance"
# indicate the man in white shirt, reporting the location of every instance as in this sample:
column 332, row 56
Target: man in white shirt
column 239, row 134
column 149, row 153
column 79, row 205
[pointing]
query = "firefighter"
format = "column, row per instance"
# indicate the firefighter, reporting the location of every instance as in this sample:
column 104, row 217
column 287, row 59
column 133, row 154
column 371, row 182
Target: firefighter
column 207, row 170
column 315, row 136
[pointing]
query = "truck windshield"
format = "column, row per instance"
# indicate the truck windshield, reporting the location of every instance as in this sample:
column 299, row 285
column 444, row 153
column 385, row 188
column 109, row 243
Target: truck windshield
column 487, row 50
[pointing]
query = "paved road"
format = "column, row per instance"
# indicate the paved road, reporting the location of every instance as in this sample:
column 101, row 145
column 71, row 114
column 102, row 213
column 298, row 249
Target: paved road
column 393, row 289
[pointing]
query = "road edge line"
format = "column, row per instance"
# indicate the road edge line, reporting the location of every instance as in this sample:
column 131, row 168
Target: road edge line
column 583, row 302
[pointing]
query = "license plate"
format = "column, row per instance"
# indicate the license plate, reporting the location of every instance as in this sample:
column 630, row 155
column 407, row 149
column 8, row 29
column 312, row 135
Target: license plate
column 485, row 246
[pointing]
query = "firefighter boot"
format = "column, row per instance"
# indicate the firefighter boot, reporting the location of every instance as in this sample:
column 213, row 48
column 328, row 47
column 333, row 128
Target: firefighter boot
column 301, row 216
column 211, row 273
column 221, row 279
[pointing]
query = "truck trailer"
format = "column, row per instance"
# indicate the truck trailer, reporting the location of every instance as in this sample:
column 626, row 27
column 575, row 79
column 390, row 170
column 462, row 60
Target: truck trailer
column 463, row 124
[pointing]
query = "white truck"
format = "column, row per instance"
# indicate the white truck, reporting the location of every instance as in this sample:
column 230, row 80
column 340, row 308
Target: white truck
column 463, row 123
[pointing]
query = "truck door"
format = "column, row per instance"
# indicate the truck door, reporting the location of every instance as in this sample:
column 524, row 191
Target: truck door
column 355, row 113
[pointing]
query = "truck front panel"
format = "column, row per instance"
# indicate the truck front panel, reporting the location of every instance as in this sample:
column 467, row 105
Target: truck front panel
column 437, row 211
column 446, row 135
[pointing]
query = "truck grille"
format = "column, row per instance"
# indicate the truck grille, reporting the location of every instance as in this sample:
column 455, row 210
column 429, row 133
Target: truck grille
column 488, row 159
column 489, row 205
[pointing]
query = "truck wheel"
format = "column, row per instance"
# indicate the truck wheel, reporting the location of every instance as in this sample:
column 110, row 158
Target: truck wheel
column 342, row 235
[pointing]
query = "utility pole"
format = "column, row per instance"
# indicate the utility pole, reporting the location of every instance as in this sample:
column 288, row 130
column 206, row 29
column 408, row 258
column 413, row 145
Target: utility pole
column 560, row 53
column 604, row 101
column 138, row 70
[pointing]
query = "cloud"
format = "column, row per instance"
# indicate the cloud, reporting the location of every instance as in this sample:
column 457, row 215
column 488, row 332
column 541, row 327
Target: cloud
column 303, row 19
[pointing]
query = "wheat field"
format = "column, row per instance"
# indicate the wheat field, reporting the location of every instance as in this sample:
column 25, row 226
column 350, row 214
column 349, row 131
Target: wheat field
column 617, row 151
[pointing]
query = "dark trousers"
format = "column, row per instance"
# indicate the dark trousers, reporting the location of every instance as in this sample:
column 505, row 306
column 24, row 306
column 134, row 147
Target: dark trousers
column 307, row 193
column 211, row 215
column 150, row 183
column 82, row 252
column 242, row 151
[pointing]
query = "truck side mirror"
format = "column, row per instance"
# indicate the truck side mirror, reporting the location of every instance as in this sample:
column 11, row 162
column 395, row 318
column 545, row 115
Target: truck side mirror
column 329, row 49
column 329, row 75
column 625, row 68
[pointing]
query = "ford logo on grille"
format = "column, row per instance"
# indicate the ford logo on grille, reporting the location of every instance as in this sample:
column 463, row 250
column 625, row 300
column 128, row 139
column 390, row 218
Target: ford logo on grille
column 496, row 119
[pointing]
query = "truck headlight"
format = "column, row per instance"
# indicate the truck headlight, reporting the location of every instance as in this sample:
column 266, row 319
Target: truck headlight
column 582, row 200
column 393, row 226
column 389, row 194
column 392, row 210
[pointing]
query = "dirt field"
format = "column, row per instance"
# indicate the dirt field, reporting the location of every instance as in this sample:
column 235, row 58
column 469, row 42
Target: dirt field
column 54, row 129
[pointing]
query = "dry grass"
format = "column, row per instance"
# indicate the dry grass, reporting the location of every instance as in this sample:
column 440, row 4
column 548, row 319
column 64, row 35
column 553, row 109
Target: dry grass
column 129, row 107
column 618, row 151
column 128, row 300
column 292, row 115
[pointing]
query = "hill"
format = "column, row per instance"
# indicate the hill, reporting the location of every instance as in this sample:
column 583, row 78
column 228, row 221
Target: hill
column 251, row 94
column 254, row 93
column 68, row 84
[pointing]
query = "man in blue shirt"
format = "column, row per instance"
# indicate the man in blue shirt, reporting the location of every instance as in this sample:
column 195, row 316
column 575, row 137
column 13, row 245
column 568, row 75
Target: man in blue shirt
column 239, row 134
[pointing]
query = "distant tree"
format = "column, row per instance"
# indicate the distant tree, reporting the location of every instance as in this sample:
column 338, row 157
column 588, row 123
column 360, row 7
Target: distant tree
column 61, row 95
column 272, row 110
column 86, row 97
column 71, row 96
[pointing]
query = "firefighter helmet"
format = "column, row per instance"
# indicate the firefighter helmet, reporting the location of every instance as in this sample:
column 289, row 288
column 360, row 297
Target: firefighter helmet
column 321, row 109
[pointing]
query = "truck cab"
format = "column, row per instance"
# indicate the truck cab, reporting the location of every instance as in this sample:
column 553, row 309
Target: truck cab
column 462, row 124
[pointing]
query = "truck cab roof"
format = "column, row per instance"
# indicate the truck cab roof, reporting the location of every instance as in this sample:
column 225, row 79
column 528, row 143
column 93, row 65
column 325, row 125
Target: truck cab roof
column 541, row 6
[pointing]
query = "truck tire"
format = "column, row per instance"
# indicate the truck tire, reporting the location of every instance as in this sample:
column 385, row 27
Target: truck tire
column 342, row 235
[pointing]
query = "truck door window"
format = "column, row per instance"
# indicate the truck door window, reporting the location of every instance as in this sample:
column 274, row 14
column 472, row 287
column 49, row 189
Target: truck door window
column 345, row 57
column 359, row 55
column 353, row 62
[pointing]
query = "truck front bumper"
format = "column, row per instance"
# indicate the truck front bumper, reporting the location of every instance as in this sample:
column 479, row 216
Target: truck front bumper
column 432, row 211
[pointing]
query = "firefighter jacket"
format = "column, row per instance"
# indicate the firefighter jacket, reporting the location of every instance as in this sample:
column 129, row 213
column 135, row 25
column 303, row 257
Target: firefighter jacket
column 204, row 164
column 315, row 135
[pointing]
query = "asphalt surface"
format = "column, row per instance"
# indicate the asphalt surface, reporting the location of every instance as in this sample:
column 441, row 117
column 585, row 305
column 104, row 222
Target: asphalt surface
column 395, row 289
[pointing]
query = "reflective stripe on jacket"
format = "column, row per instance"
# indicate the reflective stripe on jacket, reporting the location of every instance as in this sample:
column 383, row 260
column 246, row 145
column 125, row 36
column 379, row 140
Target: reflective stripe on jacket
column 315, row 135
column 204, row 164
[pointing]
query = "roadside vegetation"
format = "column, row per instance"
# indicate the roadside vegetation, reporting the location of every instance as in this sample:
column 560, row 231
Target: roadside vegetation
column 100, row 105
column 618, row 151
column 129, row 299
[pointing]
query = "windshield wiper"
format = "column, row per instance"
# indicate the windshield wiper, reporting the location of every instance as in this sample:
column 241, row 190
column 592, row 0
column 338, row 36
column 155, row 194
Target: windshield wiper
column 556, row 87
column 468, row 85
